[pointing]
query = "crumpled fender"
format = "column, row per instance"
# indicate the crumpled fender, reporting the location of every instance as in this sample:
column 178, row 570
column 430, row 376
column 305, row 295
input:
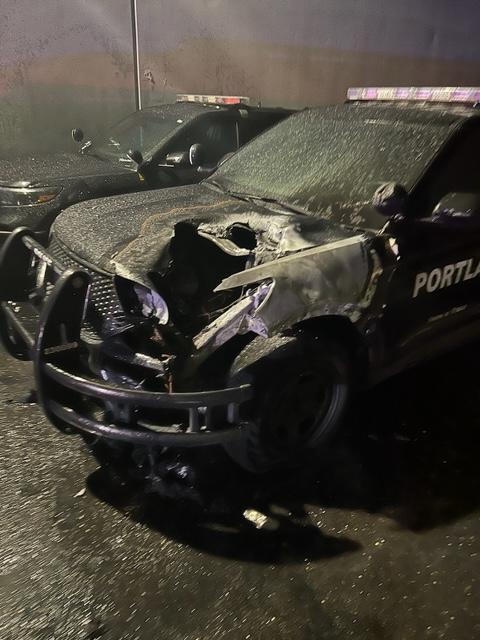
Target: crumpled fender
column 333, row 279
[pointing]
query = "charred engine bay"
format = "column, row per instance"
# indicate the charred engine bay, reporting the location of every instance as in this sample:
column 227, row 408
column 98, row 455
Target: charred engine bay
column 196, row 266
column 213, row 268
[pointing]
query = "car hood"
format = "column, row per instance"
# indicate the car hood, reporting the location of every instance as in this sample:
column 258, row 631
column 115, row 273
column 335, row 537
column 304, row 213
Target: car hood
column 47, row 169
column 198, row 248
column 131, row 234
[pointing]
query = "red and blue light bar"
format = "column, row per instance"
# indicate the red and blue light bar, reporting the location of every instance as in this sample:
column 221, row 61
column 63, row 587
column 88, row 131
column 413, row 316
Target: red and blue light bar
column 420, row 94
column 193, row 97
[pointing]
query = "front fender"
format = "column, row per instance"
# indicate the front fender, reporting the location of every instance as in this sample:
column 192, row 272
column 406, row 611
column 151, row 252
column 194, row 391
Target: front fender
column 338, row 278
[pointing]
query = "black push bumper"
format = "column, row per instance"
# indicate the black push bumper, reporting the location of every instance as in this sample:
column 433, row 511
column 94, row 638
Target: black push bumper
column 47, row 330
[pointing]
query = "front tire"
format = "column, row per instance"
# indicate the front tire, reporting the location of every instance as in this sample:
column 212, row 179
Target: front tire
column 301, row 392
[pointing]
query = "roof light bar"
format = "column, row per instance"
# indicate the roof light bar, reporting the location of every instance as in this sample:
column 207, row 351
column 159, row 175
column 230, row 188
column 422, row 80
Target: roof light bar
column 423, row 94
column 191, row 97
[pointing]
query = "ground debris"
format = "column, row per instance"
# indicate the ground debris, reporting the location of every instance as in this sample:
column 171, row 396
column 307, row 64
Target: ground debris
column 255, row 517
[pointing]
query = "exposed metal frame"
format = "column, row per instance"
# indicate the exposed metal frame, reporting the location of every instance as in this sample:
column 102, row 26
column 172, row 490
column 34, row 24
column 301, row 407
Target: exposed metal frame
column 49, row 334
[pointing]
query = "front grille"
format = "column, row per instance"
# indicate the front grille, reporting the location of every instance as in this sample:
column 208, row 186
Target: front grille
column 104, row 312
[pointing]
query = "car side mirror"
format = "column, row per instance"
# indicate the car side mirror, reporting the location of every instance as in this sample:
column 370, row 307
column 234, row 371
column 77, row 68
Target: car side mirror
column 457, row 209
column 191, row 158
column 196, row 154
column 390, row 199
column 77, row 135
column 136, row 156
column 178, row 159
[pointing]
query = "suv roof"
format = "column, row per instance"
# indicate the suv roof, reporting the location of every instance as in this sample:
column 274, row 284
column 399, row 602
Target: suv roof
column 457, row 101
column 191, row 109
column 439, row 110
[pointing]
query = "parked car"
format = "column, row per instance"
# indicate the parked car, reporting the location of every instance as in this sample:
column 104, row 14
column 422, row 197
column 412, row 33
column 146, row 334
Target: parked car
column 334, row 250
column 162, row 146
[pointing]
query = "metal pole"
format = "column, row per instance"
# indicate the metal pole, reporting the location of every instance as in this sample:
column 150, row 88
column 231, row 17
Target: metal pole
column 136, row 56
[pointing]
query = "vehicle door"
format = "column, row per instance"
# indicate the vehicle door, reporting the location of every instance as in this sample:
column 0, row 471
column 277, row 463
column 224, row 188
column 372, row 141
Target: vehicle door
column 435, row 286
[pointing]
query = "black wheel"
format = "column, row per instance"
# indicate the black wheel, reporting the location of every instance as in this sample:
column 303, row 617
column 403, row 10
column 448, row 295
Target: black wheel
column 301, row 391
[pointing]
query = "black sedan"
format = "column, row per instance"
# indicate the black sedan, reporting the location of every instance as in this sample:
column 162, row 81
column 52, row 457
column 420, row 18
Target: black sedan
column 162, row 146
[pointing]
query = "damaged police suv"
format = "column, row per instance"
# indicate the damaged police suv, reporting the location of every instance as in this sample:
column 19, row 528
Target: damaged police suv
column 339, row 247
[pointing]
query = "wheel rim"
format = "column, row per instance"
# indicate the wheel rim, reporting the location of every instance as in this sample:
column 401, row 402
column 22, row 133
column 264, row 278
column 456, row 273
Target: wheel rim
column 299, row 410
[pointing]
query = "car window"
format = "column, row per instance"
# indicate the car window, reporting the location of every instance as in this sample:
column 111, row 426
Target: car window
column 142, row 131
column 217, row 135
column 457, row 171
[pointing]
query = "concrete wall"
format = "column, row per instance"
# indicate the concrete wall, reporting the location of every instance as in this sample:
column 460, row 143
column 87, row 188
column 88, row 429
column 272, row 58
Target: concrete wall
column 63, row 63
column 69, row 62
column 304, row 52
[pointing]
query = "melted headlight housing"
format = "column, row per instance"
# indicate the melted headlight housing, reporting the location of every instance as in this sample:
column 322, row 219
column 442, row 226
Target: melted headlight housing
column 138, row 300
column 152, row 304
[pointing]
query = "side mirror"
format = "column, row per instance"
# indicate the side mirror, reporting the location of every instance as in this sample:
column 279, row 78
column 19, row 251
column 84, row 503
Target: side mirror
column 77, row 135
column 192, row 158
column 390, row 199
column 458, row 208
column 196, row 154
column 178, row 159
column 136, row 156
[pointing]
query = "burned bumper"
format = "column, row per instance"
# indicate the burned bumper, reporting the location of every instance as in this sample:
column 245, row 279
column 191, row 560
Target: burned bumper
column 43, row 323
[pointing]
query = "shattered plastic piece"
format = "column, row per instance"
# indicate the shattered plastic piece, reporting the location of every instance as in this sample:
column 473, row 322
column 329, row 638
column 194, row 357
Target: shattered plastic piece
column 240, row 318
column 255, row 517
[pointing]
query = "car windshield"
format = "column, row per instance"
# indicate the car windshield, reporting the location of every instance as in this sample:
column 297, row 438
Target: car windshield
column 322, row 157
column 142, row 131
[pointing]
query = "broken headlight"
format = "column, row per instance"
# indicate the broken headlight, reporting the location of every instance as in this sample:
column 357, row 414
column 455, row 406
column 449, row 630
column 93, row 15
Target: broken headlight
column 26, row 196
column 241, row 317
column 138, row 300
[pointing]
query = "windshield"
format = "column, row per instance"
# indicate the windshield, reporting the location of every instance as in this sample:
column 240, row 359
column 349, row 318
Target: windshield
column 142, row 131
column 332, row 155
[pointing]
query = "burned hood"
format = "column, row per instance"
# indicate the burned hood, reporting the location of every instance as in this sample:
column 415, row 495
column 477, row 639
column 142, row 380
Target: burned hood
column 54, row 168
column 213, row 266
column 130, row 235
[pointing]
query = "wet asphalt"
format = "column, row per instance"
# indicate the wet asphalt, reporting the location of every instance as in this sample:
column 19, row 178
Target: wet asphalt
column 378, row 539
